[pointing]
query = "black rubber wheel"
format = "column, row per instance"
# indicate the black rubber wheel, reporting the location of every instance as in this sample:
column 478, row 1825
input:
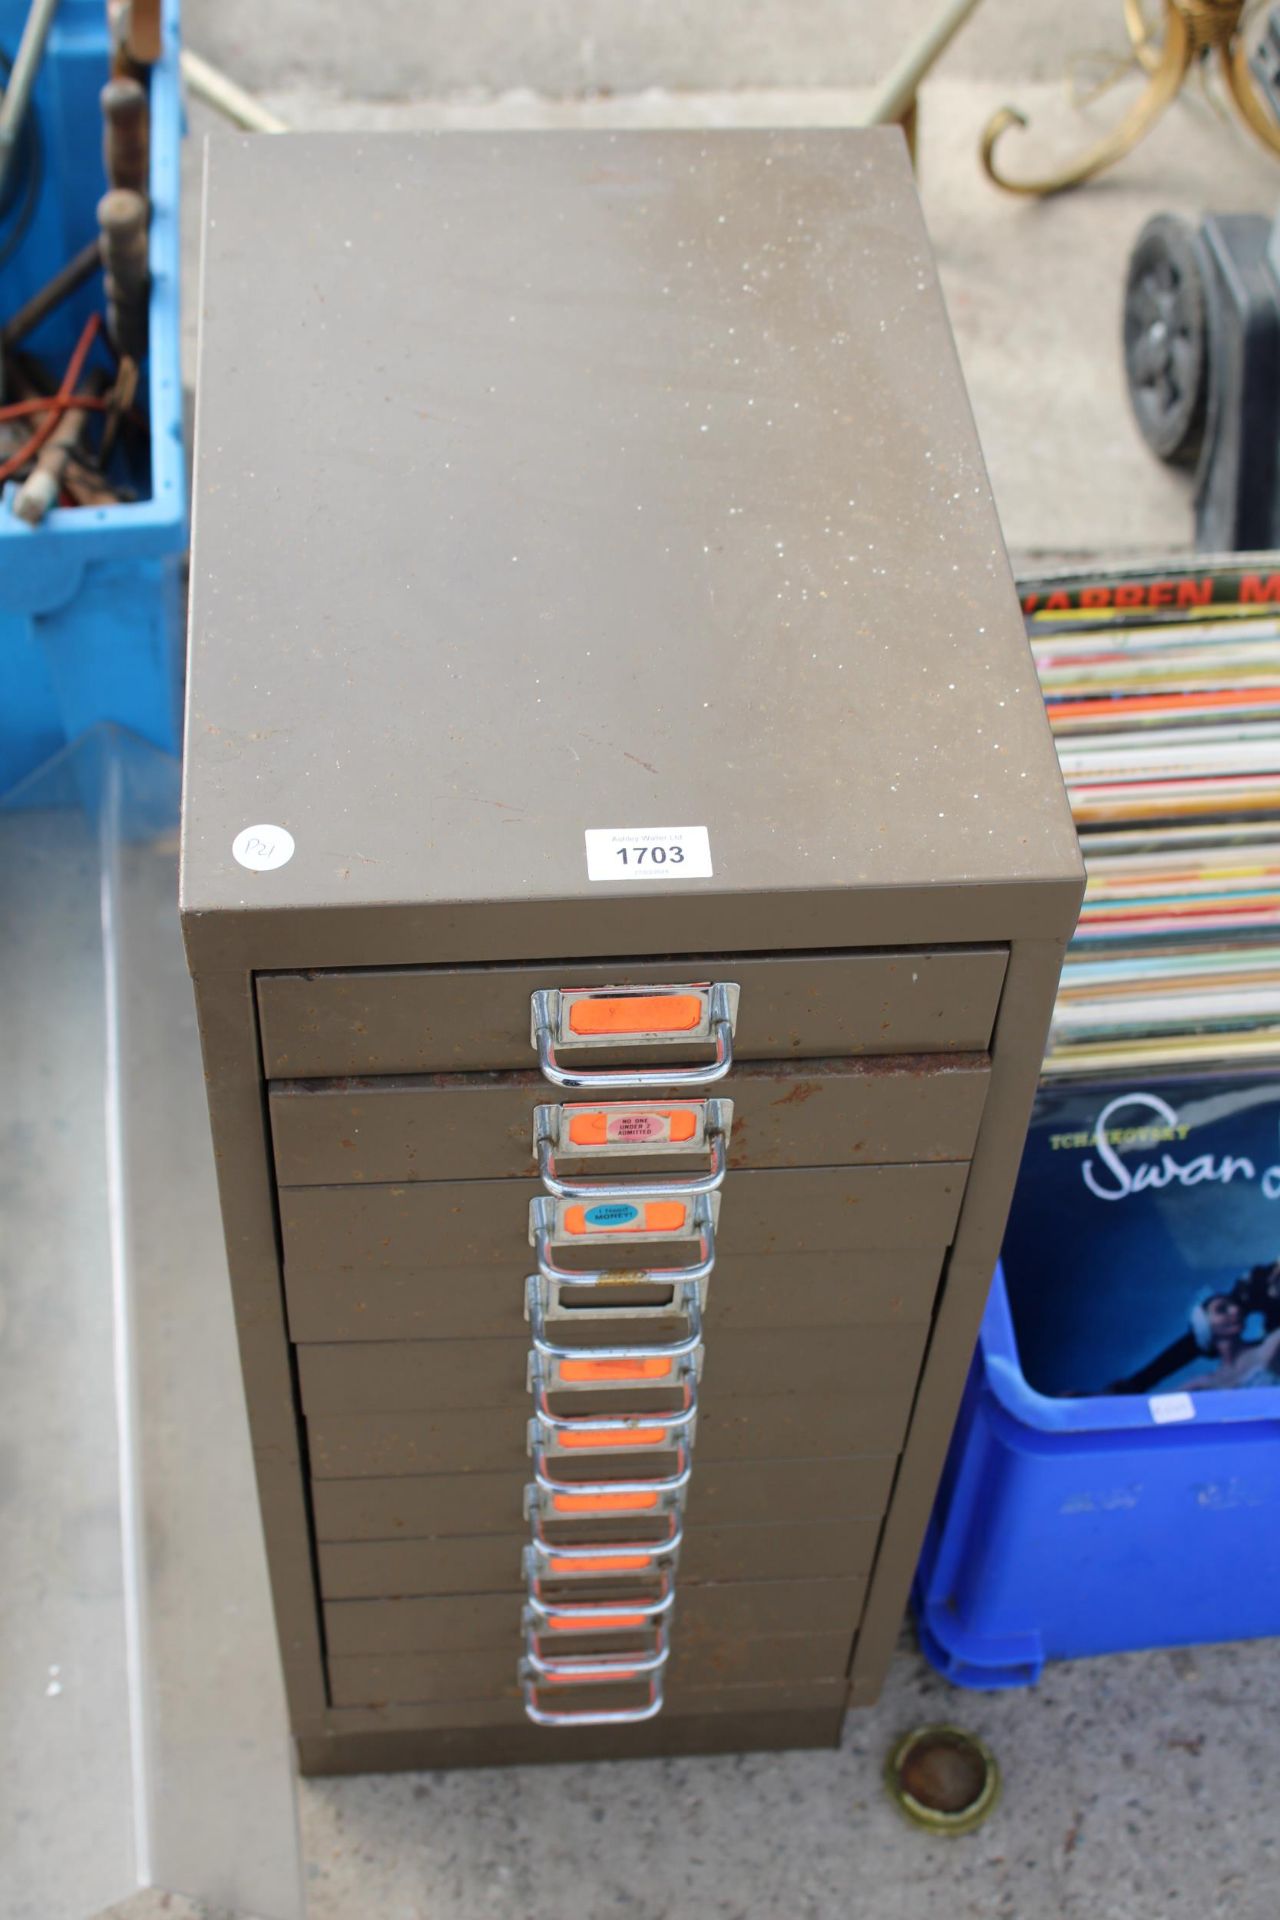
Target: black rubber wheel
column 1166, row 339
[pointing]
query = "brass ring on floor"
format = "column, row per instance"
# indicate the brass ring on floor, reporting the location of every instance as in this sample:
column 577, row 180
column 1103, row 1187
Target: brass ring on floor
column 943, row 1778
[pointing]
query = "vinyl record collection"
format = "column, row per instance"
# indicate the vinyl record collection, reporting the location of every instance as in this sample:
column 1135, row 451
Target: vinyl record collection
column 1143, row 1247
column 1163, row 692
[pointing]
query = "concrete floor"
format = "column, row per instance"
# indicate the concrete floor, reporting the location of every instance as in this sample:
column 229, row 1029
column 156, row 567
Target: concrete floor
column 414, row 49
column 142, row 1729
column 1034, row 289
column 1136, row 1788
column 1133, row 1791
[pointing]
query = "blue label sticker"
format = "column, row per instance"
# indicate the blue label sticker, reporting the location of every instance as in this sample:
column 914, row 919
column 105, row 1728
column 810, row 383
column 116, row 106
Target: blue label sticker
column 615, row 1213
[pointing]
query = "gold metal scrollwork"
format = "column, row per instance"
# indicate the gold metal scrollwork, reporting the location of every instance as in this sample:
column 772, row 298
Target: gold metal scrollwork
column 1193, row 30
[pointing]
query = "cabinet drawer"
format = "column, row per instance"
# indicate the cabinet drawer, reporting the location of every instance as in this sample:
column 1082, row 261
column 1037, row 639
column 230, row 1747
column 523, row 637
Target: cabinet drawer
column 761, row 1290
column 480, row 1126
column 806, row 1713
column 484, row 1440
column 492, row 1695
column 721, row 1493
column 390, row 1376
column 485, row 1223
column 461, row 1019
column 491, row 1563
column 705, row 1615
column 763, row 1666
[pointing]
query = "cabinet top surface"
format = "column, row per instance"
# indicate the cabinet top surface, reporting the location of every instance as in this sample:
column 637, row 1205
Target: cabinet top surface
column 552, row 482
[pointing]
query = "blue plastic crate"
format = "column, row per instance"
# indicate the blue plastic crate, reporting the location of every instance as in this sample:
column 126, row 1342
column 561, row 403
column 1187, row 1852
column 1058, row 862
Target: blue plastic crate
column 1085, row 1526
column 91, row 619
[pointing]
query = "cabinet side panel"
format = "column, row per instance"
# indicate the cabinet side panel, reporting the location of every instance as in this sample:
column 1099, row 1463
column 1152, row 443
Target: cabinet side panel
column 242, row 1152
column 1017, row 1050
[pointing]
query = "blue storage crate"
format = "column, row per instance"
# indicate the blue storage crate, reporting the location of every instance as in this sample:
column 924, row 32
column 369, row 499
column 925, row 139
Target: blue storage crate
column 91, row 616
column 1086, row 1526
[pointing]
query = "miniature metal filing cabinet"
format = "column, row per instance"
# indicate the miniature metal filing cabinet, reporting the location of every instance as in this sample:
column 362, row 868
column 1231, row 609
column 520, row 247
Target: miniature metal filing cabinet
column 625, row 877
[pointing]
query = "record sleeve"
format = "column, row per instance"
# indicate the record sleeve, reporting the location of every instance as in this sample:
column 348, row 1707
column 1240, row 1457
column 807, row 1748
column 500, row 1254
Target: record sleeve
column 1143, row 1248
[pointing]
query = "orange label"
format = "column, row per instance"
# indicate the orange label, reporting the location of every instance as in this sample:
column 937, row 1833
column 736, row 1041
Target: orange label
column 604, row 1502
column 637, row 1013
column 604, row 1563
column 656, row 1216
column 602, row 1623
column 623, row 1437
column 573, row 1680
column 630, row 1126
column 652, row 1368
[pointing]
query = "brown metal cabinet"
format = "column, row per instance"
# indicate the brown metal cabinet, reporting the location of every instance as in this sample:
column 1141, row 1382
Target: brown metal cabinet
column 609, row 1207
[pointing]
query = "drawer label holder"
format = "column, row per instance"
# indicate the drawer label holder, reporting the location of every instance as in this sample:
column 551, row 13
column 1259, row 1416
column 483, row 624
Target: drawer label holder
column 563, row 1366
column 573, row 1223
column 563, row 1018
column 613, row 1129
column 551, row 1434
column 546, row 1565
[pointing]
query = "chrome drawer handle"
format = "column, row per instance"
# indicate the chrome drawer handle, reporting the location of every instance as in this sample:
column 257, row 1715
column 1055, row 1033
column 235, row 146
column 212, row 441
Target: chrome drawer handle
column 674, row 1482
column 590, row 1716
column 640, row 1372
column 669, row 1542
column 615, row 1500
column 562, row 1438
column 592, row 1669
column 685, row 1304
column 607, row 1306
column 706, row 1011
column 611, row 1614
column 685, row 1382
column 604, row 1616
column 549, row 1125
column 618, row 1663
column 627, row 1559
column 672, row 1188
column 623, row 1365
column 547, row 1227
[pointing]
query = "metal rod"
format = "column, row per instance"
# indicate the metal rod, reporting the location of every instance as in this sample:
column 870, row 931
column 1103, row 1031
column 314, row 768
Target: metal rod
column 123, row 394
column 86, row 486
column 123, row 64
column 81, row 267
column 122, row 230
column 143, row 31
column 212, row 86
column 40, row 490
column 125, row 134
column 896, row 92
column 17, row 95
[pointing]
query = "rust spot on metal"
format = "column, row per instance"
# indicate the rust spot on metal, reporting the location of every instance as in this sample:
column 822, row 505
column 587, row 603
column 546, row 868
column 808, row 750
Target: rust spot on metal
column 802, row 1090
